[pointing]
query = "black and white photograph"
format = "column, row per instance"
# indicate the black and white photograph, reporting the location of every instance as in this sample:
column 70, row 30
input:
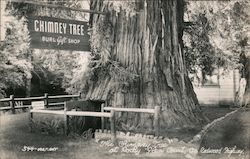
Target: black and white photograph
column 124, row 79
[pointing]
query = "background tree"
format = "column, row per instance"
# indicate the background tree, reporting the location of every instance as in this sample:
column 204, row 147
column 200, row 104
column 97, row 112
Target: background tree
column 53, row 71
column 137, row 61
column 15, row 67
column 226, row 31
column 66, row 67
column 200, row 55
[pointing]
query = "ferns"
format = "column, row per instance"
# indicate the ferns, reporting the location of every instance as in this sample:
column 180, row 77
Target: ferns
column 55, row 127
column 48, row 126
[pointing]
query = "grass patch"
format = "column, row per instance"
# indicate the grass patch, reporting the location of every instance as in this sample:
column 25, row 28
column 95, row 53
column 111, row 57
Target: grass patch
column 15, row 134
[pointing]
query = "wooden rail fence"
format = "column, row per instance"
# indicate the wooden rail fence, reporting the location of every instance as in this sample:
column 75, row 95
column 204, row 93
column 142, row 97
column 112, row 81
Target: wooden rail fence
column 106, row 112
column 155, row 111
column 13, row 101
column 111, row 114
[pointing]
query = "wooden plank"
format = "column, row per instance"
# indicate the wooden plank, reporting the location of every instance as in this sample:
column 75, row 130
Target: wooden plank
column 112, row 126
column 17, row 107
column 156, row 120
column 66, row 120
column 102, row 118
column 28, row 98
column 58, row 112
column 59, row 103
column 85, row 113
column 46, row 100
column 38, row 98
column 136, row 110
column 5, row 100
column 30, row 121
column 12, row 104
column 5, row 108
column 21, row 107
column 63, row 96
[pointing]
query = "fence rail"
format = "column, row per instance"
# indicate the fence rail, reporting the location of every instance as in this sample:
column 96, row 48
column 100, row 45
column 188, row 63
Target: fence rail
column 135, row 110
column 155, row 112
column 59, row 103
column 13, row 106
column 87, row 113
column 5, row 100
column 64, row 96
column 111, row 114
column 47, row 111
column 28, row 98
column 16, row 107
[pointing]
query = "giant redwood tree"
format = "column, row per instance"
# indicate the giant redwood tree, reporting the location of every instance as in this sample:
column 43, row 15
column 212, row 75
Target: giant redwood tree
column 138, row 62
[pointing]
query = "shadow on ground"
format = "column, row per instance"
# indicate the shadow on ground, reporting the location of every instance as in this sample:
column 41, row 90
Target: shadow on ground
column 232, row 133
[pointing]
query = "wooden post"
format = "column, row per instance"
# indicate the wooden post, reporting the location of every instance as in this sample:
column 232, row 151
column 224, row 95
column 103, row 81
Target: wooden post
column 31, row 120
column 66, row 120
column 75, row 98
column 102, row 118
column 80, row 96
column 112, row 126
column 46, row 100
column 156, row 120
column 12, row 104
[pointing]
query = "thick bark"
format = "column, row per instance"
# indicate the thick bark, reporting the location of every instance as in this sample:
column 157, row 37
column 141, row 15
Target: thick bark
column 149, row 45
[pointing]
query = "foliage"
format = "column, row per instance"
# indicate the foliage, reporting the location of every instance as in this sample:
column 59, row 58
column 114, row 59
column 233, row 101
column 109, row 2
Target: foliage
column 217, row 37
column 48, row 126
column 85, row 136
column 15, row 65
column 199, row 50
column 62, row 68
column 68, row 68
column 59, row 68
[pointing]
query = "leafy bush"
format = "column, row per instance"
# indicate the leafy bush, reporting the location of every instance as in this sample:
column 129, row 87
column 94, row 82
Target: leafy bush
column 86, row 135
column 47, row 126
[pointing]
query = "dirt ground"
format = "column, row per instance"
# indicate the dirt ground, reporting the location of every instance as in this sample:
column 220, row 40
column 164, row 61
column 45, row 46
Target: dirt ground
column 232, row 136
column 14, row 136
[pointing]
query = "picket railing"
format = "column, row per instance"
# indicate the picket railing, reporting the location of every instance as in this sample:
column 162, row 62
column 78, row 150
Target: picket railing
column 16, row 103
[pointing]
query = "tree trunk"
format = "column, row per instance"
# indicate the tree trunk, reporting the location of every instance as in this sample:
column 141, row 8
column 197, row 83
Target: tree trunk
column 246, row 97
column 27, row 78
column 27, row 87
column 142, row 63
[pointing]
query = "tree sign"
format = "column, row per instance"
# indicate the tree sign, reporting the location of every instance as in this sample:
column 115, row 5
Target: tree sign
column 38, row 104
column 55, row 33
